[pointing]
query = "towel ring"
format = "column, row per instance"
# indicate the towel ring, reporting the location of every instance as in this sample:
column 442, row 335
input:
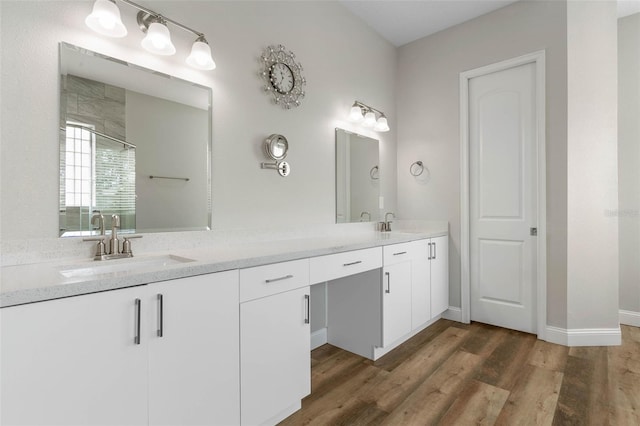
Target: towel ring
column 416, row 168
column 374, row 173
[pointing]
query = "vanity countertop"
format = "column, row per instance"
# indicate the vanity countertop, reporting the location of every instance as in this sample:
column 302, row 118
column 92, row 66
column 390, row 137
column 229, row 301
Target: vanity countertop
column 35, row 282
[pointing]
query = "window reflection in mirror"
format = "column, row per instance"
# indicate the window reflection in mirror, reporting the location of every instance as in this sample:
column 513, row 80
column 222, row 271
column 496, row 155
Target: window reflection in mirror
column 120, row 124
column 357, row 178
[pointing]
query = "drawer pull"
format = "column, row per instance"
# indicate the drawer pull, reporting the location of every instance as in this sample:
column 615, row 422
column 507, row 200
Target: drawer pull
column 136, row 339
column 388, row 274
column 307, row 318
column 352, row 263
column 160, row 332
column 399, row 253
column 271, row 280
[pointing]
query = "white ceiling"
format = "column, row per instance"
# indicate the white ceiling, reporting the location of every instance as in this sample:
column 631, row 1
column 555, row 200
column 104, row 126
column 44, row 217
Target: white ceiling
column 403, row 21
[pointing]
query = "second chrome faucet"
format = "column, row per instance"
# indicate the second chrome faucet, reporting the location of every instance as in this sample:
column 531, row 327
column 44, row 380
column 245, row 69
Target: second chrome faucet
column 386, row 225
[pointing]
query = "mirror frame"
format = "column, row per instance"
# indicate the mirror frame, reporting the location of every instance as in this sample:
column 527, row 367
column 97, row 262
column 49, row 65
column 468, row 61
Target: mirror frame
column 154, row 73
column 374, row 217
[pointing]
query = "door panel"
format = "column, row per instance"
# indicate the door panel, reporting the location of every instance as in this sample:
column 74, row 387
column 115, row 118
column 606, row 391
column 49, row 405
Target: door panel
column 194, row 361
column 439, row 275
column 275, row 360
column 500, row 182
column 79, row 352
column 501, row 270
column 502, row 161
column 396, row 302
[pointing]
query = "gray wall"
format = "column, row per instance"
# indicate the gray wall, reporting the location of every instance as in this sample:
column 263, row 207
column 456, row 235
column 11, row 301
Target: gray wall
column 592, row 166
column 428, row 104
column 629, row 160
column 343, row 60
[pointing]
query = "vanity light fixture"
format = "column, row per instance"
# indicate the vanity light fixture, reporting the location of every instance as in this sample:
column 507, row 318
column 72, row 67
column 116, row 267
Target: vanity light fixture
column 369, row 119
column 158, row 39
column 105, row 20
column 369, row 116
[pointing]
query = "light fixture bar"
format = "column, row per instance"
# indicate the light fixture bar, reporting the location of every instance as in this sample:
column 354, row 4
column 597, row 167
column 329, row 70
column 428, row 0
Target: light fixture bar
column 367, row 107
column 361, row 112
column 162, row 17
column 105, row 20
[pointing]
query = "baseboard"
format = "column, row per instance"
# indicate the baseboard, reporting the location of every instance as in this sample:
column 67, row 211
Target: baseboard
column 318, row 338
column 584, row 336
column 453, row 314
column 629, row 318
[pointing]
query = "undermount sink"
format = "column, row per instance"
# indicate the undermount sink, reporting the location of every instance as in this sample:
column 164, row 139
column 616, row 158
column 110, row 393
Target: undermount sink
column 121, row 265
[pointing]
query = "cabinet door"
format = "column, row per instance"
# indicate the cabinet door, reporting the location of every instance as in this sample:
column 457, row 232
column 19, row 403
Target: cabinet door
column 439, row 275
column 275, row 359
column 74, row 361
column 421, row 286
column 396, row 302
column 194, row 351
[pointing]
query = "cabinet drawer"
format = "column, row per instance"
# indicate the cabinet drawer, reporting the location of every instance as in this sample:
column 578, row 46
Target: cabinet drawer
column 396, row 253
column 266, row 280
column 327, row 268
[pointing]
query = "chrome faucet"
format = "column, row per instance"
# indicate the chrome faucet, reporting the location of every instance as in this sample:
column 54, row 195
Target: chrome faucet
column 112, row 250
column 387, row 223
column 362, row 214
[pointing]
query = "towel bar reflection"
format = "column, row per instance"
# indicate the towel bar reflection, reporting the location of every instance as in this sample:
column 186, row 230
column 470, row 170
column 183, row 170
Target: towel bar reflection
column 168, row 177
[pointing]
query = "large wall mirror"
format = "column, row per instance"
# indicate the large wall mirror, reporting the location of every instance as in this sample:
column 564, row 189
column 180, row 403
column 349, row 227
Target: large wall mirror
column 133, row 142
column 357, row 178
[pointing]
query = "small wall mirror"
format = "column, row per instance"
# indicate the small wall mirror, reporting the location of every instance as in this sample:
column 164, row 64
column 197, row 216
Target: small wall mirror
column 276, row 147
column 357, row 178
column 133, row 142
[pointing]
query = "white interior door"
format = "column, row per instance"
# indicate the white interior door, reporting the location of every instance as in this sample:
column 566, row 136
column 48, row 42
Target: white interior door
column 503, row 194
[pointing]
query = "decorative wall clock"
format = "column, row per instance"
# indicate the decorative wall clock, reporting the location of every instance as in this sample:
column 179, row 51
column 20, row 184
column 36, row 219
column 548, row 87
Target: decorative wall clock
column 283, row 76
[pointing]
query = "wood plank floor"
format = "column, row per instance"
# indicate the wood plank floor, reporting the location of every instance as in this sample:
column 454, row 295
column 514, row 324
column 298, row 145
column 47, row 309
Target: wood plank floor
column 476, row 374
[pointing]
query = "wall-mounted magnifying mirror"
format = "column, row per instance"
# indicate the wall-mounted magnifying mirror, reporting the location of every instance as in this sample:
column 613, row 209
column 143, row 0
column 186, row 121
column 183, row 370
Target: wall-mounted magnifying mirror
column 357, row 178
column 276, row 147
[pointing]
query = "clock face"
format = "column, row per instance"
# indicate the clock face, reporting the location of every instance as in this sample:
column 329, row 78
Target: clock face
column 281, row 77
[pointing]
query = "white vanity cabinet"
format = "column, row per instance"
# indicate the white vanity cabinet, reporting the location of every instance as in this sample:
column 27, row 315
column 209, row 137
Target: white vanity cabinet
column 193, row 339
column 420, row 284
column 406, row 289
column 74, row 361
column 439, row 271
column 98, row 359
column 275, row 360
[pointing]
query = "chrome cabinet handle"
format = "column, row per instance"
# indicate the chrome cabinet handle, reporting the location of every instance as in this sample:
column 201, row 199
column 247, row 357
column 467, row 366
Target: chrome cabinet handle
column 136, row 339
column 160, row 315
column 388, row 290
column 429, row 258
column 434, row 251
column 307, row 300
column 399, row 253
column 271, row 280
column 352, row 263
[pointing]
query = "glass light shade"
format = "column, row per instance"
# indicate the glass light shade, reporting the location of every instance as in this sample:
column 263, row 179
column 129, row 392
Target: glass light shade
column 105, row 19
column 158, row 40
column 200, row 57
column 356, row 114
column 381, row 125
column 369, row 119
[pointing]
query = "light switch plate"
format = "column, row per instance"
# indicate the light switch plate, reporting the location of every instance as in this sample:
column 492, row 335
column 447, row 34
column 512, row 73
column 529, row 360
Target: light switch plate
column 381, row 202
